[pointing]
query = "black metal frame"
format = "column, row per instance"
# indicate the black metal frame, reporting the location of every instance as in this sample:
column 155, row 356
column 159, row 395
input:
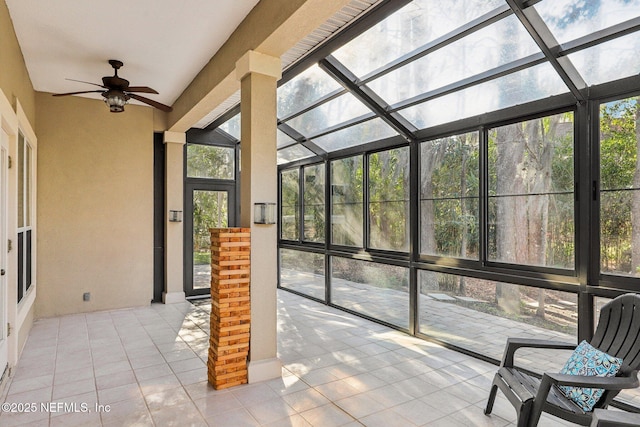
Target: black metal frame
column 211, row 136
column 585, row 280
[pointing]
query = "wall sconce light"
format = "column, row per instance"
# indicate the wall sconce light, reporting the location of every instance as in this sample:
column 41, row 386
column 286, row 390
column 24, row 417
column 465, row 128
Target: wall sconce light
column 264, row 213
column 175, row 216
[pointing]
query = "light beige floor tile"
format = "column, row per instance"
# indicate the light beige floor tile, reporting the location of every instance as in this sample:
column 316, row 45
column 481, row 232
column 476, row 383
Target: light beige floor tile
column 305, row 399
column 233, row 418
column 385, row 418
column 271, row 410
column 359, row 405
column 213, row 405
column 178, row 415
column 156, row 385
column 115, row 380
column 117, row 394
column 327, row 415
column 73, row 388
column 165, row 398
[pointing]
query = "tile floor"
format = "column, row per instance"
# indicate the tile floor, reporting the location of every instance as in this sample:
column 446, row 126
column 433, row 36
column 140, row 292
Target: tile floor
column 146, row 367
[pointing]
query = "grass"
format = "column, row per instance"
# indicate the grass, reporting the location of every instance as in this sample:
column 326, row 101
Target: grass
column 201, row 258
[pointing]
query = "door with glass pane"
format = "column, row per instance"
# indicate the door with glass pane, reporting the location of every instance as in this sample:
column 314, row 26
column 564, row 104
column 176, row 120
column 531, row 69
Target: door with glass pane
column 208, row 206
column 3, row 249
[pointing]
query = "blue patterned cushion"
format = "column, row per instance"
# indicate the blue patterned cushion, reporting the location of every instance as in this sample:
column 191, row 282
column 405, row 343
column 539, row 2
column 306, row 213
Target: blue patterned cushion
column 588, row 361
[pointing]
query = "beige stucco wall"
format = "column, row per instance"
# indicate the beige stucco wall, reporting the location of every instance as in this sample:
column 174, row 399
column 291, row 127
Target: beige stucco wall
column 14, row 78
column 95, row 205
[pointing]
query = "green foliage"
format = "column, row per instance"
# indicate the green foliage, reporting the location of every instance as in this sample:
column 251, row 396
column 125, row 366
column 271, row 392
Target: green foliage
column 389, row 199
column 455, row 190
column 210, row 210
column 314, row 182
column 618, row 167
column 290, row 200
column 206, row 161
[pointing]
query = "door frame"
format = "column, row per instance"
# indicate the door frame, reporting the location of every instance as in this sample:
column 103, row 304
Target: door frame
column 4, row 212
column 232, row 220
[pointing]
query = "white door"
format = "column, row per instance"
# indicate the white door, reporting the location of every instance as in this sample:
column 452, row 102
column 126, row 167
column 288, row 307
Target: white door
column 4, row 153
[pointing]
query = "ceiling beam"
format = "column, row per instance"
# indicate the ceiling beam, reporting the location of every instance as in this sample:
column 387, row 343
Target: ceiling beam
column 272, row 28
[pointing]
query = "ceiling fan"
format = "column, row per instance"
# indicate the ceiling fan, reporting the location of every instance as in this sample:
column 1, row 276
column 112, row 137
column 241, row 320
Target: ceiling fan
column 118, row 91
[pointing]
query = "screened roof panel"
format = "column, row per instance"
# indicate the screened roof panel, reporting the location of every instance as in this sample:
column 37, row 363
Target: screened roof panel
column 332, row 113
column 371, row 130
column 609, row 61
column 232, row 126
column 413, row 26
column 571, row 19
column 528, row 85
column 293, row 153
column 304, row 89
column 284, row 140
column 490, row 47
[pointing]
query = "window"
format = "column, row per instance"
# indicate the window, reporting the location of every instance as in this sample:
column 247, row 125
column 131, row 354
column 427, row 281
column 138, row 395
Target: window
column 449, row 196
column 290, row 205
column 389, row 199
column 531, row 194
column 25, row 213
column 209, row 161
column 232, row 126
column 313, row 203
column 347, row 202
column 479, row 315
column 302, row 272
column 620, row 188
column 375, row 290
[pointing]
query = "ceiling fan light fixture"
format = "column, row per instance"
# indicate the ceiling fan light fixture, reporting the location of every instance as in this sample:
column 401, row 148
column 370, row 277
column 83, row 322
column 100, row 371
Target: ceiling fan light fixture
column 116, row 100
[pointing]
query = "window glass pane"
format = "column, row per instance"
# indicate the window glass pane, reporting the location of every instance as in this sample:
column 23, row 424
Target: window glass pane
column 389, row 199
column 620, row 188
column 479, row 315
column 609, row 61
column 232, row 126
column 210, row 210
column 293, row 153
column 337, row 111
column 371, row 130
column 495, row 45
column 523, row 86
column 346, row 201
column 449, row 196
column 290, row 203
column 376, row 290
column 302, row 272
column 304, row 89
column 570, row 19
column 21, row 192
column 418, row 23
column 27, row 189
column 284, row 140
column 531, row 192
column 208, row 161
column 314, row 203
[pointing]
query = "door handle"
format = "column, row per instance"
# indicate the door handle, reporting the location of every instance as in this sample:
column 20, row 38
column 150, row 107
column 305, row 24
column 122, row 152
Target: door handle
column 2, row 272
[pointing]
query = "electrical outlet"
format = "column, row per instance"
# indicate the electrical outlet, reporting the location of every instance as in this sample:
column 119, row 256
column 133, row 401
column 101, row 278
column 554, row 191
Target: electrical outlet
column 86, row 296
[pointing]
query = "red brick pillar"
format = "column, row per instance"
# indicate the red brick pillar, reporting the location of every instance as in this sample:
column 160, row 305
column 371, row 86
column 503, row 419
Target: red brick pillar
column 230, row 306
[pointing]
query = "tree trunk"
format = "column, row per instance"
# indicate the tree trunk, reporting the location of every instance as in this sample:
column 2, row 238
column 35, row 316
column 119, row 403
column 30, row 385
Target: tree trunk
column 510, row 212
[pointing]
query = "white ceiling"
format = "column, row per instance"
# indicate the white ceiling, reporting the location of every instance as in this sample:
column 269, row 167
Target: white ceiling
column 163, row 43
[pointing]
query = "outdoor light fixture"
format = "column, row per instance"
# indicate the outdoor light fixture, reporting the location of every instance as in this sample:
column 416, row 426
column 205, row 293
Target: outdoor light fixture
column 264, row 213
column 175, row 216
column 115, row 99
